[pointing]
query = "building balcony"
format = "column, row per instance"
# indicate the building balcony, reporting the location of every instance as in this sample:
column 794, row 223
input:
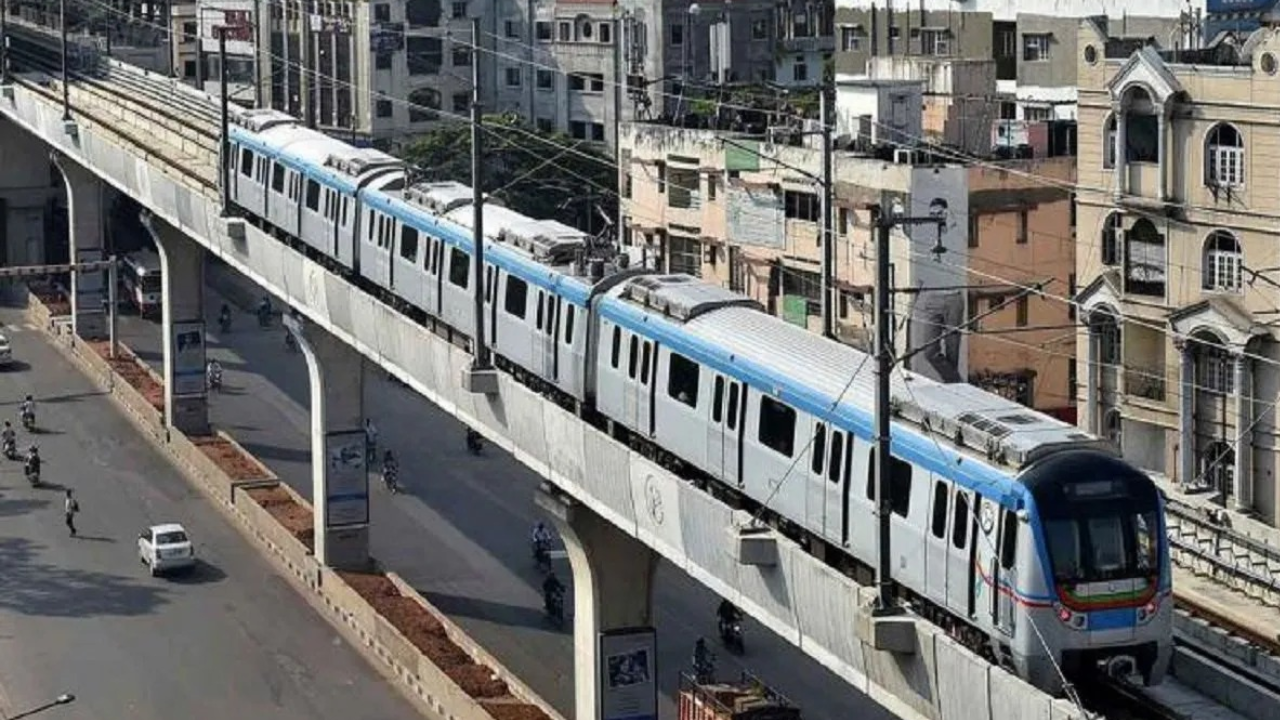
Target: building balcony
column 821, row 44
column 1145, row 383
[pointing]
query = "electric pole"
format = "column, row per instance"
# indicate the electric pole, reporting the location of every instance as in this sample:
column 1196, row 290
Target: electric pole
column 884, row 223
column 66, row 89
column 618, row 75
column 828, row 217
column 307, row 79
column 224, row 144
column 481, row 350
column 4, row 41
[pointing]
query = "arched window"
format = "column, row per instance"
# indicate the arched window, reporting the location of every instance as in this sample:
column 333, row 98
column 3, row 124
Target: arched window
column 1222, row 262
column 1107, row 326
column 1109, row 142
column 1144, row 261
column 1112, row 426
column 1111, row 233
column 1224, row 157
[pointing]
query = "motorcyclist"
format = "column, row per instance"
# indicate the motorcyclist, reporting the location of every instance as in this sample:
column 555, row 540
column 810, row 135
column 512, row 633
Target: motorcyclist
column 370, row 439
column 703, row 661
column 33, row 462
column 728, row 614
column 264, row 310
column 552, row 591
column 390, row 470
column 541, row 540
column 28, row 408
column 213, row 371
column 224, row 316
column 9, row 439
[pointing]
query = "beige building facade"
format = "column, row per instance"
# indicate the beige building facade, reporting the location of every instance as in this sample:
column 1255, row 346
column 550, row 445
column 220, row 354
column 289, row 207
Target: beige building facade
column 747, row 215
column 1179, row 241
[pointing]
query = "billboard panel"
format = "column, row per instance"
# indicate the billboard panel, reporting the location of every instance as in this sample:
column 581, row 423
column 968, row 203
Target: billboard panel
column 346, row 479
column 238, row 15
column 756, row 217
column 187, row 337
column 941, row 192
column 628, row 674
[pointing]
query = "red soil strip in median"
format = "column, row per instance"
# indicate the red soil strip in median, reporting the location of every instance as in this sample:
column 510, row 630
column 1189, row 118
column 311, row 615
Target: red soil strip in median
column 228, row 456
column 291, row 515
column 421, row 628
column 130, row 369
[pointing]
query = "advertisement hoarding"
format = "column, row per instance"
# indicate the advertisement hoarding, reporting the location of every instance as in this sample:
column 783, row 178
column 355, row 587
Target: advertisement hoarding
column 346, row 479
column 937, row 192
column 235, row 15
column 628, row 674
column 187, row 337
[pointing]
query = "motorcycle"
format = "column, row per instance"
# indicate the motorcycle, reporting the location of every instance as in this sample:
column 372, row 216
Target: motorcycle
column 264, row 315
column 215, row 380
column 10, row 449
column 542, row 556
column 389, row 475
column 224, row 322
column 33, row 474
column 289, row 343
column 731, row 636
column 29, row 421
column 704, row 672
column 553, row 603
column 474, row 442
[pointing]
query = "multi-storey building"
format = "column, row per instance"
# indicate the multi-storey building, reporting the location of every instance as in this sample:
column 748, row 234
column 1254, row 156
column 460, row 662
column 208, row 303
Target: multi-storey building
column 1179, row 221
column 746, row 214
column 1028, row 40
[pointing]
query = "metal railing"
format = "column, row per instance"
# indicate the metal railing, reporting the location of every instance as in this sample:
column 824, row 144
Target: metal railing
column 1212, row 548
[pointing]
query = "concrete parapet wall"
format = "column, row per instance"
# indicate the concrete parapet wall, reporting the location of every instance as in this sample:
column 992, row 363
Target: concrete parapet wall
column 1202, row 674
column 799, row 597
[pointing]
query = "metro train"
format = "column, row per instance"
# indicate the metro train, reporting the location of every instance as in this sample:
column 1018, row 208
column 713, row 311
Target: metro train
column 1025, row 537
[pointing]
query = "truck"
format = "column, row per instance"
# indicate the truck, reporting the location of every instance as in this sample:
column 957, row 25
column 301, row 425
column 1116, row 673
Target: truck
column 744, row 699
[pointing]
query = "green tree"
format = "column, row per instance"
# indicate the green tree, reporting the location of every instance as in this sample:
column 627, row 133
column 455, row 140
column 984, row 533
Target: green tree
column 563, row 179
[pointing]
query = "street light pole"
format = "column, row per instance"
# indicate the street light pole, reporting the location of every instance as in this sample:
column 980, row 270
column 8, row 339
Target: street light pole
column 828, row 217
column 481, row 350
column 225, row 121
column 4, row 41
column 63, row 699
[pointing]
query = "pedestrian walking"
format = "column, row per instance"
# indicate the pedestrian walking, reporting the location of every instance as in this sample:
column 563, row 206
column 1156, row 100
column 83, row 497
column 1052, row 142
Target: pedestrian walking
column 71, row 507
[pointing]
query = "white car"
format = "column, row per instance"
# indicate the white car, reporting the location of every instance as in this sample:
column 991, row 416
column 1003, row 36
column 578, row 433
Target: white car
column 6, row 351
column 165, row 547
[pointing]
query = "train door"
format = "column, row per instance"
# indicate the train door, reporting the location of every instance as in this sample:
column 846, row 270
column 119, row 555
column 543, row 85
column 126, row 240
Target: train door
column 835, row 517
column 550, row 348
column 959, row 563
column 735, row 418
column 631, row 383
column 1008, row 578
column 936, row 567
column 715, row 427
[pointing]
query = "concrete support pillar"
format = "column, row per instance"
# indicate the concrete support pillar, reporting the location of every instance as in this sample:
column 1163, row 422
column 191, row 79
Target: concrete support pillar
column 1186, row 414
column 1121, row 167
column 612, row 588
column 186, row 400
column 1242, row 489
column 1092, row 376
column 1162, row 143
column 340, row 476
column 86, row 222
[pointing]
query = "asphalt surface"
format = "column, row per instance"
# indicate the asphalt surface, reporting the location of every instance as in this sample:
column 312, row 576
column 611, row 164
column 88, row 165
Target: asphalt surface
column 82, row 615
column 458, row 531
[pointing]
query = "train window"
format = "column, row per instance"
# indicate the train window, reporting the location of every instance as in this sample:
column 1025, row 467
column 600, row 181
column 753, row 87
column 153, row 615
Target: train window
column 644, row 364
column 777, row 429
column 277, row 178
column 539, row 318
column 551, row 317
column 345, row 203
column 717, row 400
column 837, row 456
column 733, row 406
column 682, row 379
column 313, row 195
column 488, row 283
column 635, row 355
column 568, row 326
column 819, row 451
column 899, row 483
column 246, row 162
column 516, row 301
column 459, row 265
column 617, row 345
column 436, row 258
column 1009, row 540
column 960, row 521
column 940, row 498
column 409, row 243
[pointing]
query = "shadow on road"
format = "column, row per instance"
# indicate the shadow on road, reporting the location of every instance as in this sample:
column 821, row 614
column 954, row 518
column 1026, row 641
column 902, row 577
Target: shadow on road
column 489, row 611
column 16, row 366
column 202, row 573
column 95, row 538
column 267, row 453
column 32, row 587
column 21, row 506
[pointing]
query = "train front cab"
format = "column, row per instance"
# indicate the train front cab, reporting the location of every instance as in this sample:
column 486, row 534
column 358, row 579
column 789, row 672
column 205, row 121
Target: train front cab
column 1103, row 563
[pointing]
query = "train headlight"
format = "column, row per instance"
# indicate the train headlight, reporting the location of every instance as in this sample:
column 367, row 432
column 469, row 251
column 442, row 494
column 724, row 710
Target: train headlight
column 1149, row 611
column 1070, row 618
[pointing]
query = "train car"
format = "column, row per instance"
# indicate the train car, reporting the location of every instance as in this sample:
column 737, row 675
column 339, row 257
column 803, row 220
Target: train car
column 1002, row 517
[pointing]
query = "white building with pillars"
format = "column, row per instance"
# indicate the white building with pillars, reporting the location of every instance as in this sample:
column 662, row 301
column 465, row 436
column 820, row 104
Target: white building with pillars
column 1178, row 240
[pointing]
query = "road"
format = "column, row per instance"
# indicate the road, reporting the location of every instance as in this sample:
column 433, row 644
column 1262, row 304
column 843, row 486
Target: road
column 458, row 532
column 83, row 616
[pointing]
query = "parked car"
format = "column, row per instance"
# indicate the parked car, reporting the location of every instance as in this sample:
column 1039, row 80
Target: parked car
column 165, row 547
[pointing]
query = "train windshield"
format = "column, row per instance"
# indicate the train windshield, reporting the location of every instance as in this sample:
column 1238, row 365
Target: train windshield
column 1103, row 542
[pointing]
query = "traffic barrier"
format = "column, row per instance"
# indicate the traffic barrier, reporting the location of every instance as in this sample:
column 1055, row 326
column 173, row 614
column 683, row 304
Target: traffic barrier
column 429, row 687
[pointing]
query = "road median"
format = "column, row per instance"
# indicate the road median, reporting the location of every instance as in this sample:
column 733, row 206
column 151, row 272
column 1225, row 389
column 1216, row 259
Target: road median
column 407, row 639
